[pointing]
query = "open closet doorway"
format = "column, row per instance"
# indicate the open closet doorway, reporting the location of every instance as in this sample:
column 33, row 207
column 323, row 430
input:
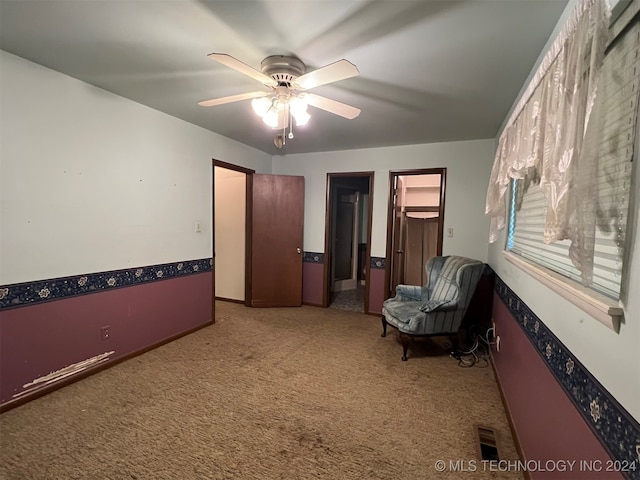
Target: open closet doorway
column 232, row 231
column 348, row 241
column 415, row 225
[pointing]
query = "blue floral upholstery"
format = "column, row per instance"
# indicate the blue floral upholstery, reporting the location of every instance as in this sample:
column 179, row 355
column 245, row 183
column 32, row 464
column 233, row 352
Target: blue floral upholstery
column 437, row 308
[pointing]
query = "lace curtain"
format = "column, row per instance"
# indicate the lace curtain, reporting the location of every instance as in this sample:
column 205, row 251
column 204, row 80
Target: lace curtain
column 549, row 131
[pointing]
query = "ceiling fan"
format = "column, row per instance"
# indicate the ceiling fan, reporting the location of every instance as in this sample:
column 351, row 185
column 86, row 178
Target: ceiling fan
column 287, row 97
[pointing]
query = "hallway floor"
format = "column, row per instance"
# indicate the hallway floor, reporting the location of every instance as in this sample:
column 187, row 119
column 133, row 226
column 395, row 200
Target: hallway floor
column 351, row 300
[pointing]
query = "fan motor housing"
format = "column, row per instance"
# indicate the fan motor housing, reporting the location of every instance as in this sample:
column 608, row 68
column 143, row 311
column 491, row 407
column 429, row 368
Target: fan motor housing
column 283, row 68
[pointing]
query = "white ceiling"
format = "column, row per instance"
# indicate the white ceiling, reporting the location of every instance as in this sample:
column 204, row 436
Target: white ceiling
column 430, row 70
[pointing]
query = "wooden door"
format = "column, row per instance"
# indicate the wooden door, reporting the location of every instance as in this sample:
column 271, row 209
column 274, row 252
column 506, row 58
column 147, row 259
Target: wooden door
column 413, row 251
column 421, row 244
column 277, row 234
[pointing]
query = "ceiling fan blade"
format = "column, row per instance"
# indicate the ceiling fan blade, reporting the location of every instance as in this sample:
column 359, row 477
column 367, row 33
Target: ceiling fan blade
column 233, row 98
column 332, row 106
column 241, row 67
column 333, row 72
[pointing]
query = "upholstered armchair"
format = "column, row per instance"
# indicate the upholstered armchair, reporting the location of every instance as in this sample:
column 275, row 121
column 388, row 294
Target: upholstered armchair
column 437, row 308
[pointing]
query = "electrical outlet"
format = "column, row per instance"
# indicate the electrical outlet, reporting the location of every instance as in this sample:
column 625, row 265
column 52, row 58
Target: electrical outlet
column 198, row 227
column 105, row 332
column 449, row 232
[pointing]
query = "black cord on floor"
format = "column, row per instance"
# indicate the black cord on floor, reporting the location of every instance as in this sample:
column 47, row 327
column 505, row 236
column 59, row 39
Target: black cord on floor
column 477, row 355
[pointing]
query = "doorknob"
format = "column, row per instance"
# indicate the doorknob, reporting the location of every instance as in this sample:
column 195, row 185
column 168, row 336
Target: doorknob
column 298, row 250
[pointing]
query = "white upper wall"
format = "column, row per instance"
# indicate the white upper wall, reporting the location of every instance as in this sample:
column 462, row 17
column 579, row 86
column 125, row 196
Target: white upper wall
column 468, row 165
column 91, row 181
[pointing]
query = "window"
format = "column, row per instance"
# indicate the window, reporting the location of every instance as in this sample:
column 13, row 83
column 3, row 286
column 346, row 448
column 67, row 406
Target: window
column 566, row 159
column 618, row 98
column 525, row 238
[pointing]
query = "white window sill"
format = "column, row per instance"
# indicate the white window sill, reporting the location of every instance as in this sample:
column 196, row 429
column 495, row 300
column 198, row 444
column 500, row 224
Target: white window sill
column 604, row 309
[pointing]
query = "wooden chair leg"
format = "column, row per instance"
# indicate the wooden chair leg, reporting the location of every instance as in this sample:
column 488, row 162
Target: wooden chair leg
column 454, row 342
column 384, row 327
column 404, row 339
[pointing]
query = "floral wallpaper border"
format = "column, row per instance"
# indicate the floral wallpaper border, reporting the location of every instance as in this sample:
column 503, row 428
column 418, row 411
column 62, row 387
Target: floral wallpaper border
column 312, row 257
column 39, row 291
column 378, row 262
column 616, row 429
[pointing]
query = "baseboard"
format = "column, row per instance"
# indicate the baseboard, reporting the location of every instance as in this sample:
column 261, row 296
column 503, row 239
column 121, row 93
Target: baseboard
column 230, row 300
column 503, row 399
column 311, row 304
column 41, row 392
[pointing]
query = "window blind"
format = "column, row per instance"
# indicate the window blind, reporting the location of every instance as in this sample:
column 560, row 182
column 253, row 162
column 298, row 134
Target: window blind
column 618, row 91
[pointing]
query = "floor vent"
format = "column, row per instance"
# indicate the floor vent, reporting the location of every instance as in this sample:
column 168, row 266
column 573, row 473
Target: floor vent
column 487, row 443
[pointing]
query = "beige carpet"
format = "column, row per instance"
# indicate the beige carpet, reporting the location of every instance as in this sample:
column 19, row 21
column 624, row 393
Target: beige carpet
column 299, row 393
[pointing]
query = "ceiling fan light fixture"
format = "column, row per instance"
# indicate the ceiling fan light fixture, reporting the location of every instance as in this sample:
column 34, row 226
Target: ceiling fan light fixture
column 270, row 118
column 298, row 108
column 302, row 118
column 276, row 115
column 297, row 105
column 283, row 115
column 288, row 80
column 261, row 105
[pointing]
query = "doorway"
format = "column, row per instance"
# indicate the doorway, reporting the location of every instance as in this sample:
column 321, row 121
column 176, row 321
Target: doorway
column 348, row 241
column 415, row 225
column 232, row 233
column 267, row 271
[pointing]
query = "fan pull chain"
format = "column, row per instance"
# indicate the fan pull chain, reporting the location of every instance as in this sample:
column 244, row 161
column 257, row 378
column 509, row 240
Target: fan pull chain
column 290, row 122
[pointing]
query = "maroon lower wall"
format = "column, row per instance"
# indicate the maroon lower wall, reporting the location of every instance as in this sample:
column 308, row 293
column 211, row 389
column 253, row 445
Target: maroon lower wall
column 376, row 290
column 312, row 283
column 547, row 425
column 39, row 339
